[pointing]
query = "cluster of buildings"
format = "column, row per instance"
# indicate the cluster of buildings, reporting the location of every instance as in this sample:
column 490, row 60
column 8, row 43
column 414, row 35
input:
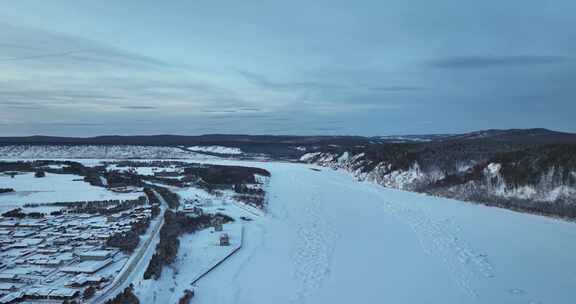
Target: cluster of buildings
column 196, row 207
column 55, row 258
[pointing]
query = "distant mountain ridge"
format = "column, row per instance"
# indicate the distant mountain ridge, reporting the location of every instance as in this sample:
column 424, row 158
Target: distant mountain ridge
column 536, row 135
column 178, row 139
column 518, row 135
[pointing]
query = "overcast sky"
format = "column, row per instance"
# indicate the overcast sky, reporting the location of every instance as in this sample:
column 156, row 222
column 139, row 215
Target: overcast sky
column 84, row 68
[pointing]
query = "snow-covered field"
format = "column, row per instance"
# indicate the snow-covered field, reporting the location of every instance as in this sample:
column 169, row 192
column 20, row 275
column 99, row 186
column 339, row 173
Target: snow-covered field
column 330, row 239
column 143, row 170
column 52, row 188
column 94, row 152
column 216, row 149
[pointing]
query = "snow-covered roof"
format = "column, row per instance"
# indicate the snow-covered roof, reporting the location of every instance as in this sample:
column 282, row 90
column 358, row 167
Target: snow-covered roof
column 8, row 276
column 9, row 298
column 87, row 266
column 96, row 253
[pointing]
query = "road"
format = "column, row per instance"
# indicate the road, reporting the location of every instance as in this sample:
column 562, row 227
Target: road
column 135, row 262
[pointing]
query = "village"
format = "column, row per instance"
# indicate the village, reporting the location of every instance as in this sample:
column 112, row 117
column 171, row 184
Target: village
column 61, row 256
column 65, row 257
column 58, row 245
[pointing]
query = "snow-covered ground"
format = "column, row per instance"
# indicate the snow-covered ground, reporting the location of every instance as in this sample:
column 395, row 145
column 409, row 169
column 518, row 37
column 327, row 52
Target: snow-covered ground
column 326, row 238
column 52, row 188
column 216, row 149
column 94, row 152
column 143, row 170
column 198, row 252
column 329, row 239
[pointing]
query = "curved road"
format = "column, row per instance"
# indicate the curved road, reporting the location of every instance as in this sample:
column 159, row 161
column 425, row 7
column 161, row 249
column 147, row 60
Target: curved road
column 136, row 260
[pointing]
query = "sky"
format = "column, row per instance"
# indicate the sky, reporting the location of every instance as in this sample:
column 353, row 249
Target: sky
column 364, row 67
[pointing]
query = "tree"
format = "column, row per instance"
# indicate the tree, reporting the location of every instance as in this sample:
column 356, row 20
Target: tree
column 16, row 213
column 89, row 292
column 39, row 174
column 127, row 241
column 188, row 295
column 126, row 297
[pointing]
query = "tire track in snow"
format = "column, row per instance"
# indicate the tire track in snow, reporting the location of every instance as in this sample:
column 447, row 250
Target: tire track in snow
column 259, row 235
column 437, row 237
column 441, row 238
column 313, row 255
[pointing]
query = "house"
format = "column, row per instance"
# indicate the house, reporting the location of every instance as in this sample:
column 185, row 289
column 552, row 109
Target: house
column 52, row 262
column 114, row 218
column 35, row 293
column 9, row 277
column 167, row 174
column 88, row 267
column 8, row 287
column 96, row 255
column 5, row 233
column 224, row 239
column 192, row 210
column 63, row 294
column 61, row 241
column 13, row 297
column 48, row 251
column 47, row 293
column 82, row 280
column 218, row 226
column 23, row 234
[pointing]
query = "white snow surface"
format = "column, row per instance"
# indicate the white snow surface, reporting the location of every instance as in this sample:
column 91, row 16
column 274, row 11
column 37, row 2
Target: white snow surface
column 308, row 156
column 53, row 188
column 94, row 152
column 217, row 149
column 330, row 239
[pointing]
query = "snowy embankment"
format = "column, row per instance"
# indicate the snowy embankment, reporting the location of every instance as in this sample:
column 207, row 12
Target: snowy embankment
column 548, row 185
column 330, row 239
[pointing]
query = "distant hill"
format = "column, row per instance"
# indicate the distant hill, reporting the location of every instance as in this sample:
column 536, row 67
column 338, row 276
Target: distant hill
column 294, row 146
column 528, row 136
column 173, row 140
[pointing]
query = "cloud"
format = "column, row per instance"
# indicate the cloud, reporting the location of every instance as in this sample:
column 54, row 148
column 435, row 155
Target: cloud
column 74, row 124
column 484, row 62
column 139, row 107
column 249, row 109
column 397, row 88
column 47, row 70
column 263, row 81
column 35, row 47
column 343, row 95
column 21, row 105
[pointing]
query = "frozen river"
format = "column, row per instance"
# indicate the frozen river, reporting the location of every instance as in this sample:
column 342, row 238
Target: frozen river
column 329, row 239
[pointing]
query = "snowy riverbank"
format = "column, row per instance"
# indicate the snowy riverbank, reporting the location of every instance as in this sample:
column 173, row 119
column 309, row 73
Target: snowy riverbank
column 330, row 239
